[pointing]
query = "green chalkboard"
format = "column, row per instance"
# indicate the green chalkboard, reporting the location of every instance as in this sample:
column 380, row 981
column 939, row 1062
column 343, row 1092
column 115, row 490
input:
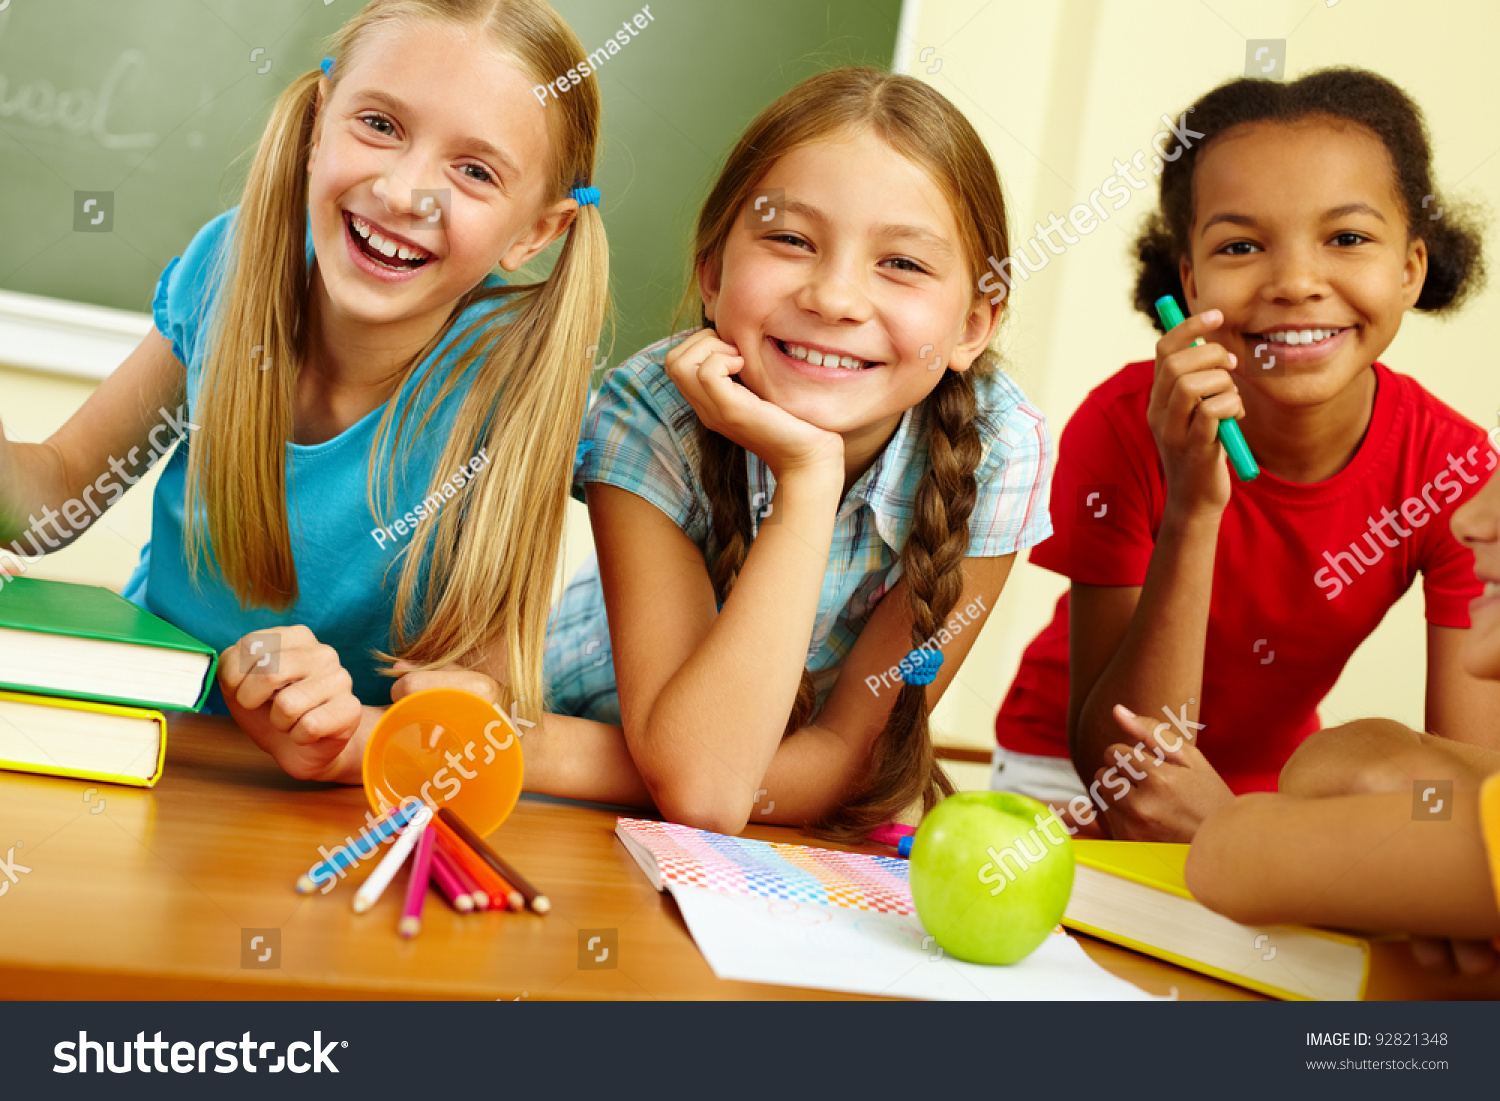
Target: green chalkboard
column 151, row 108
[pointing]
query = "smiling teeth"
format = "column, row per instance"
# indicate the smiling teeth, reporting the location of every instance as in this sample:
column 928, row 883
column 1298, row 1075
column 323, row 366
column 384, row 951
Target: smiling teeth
column 820, row 359
column 1301, row 336
column 383, row 246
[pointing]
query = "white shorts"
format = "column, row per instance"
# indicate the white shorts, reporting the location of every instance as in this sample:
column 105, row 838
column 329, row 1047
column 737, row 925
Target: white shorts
column 1047, row 779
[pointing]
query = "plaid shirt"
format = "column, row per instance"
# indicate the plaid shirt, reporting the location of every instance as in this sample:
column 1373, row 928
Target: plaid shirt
column 642, row 435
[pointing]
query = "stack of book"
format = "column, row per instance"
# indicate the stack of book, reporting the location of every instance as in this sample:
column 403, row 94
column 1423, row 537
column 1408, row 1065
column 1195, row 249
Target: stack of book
column 84, row 678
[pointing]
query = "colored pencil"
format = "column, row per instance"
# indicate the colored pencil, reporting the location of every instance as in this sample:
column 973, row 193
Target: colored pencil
column 347, row 856
column 478, row 898
column 535, row 900
column 501, row 894
column 375, row 884
column 416, row 889
column 448, row 884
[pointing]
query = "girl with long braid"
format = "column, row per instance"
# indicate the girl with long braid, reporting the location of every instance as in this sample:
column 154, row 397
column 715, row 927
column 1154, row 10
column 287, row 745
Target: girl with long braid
column 805, row 509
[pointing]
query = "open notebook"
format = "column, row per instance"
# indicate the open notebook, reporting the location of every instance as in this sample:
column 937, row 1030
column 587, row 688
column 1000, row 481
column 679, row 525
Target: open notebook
column 770, row 912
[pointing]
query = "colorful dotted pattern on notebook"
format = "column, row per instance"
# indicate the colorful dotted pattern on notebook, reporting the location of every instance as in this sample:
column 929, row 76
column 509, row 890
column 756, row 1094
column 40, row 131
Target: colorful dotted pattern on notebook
column 768, row 869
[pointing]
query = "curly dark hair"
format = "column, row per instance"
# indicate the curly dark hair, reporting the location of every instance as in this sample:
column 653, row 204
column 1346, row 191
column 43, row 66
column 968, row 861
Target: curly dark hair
column 1455, row 261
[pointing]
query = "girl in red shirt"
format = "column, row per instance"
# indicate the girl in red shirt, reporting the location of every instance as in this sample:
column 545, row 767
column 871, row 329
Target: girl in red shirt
column 1295, row 226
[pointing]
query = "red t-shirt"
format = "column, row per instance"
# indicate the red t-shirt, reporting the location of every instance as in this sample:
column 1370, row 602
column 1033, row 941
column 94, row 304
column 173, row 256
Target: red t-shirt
column 1302, row 573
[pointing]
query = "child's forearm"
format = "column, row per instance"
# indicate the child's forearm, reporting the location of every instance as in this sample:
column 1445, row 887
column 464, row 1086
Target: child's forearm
column 1353, row 861
column 578, row 759
column 100, row 452
column 567, row 757
column 716, row 724
column 31, row 481
column 813, row 769
column 1159, row 662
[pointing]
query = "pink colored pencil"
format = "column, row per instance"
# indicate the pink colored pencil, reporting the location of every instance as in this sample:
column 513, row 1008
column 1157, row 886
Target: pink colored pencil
column 449, row 886
column 478, row 897
column 416, row 889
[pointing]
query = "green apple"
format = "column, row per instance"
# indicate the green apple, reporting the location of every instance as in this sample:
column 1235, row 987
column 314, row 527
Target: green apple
column 991, row 873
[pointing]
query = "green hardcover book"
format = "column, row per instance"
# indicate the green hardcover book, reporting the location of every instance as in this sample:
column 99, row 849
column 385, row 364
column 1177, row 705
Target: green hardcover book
column 86, row 642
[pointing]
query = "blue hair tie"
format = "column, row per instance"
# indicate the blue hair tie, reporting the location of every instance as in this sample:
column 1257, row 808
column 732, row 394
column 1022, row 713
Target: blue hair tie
column 921, row 667
column 327, row 66
column 585, row 196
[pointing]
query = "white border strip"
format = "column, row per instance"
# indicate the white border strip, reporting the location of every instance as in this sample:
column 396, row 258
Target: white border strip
column 906, row 36
column 66, row 338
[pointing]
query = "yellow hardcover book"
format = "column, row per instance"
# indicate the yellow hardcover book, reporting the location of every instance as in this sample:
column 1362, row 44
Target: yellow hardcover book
column 1133, row 893
column 1489, row 825
column 82, row 739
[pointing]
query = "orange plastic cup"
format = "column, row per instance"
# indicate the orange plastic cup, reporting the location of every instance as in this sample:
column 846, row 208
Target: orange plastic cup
column 449, row 748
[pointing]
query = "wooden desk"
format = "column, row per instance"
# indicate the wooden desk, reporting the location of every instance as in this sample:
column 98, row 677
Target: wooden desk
column 137, row 894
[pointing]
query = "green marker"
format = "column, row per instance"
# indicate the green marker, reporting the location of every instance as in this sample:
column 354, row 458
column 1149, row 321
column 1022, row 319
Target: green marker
column 1229, row 430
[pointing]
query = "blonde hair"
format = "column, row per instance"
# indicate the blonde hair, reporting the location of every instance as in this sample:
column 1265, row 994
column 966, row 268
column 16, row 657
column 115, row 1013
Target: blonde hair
column 495, row 551
column 921, row 125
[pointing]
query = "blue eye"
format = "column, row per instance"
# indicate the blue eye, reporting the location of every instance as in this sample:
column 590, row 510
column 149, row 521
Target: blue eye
column 487, row 178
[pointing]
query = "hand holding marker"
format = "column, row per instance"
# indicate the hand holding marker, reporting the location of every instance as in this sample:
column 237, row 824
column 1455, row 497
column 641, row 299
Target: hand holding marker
column 1229, row 430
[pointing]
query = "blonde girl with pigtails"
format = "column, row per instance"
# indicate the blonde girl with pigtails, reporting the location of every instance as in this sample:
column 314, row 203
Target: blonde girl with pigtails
column 381, row 428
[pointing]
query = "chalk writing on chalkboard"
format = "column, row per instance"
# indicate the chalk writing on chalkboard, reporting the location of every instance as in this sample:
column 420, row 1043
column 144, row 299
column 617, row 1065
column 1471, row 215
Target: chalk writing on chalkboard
column 77, row 110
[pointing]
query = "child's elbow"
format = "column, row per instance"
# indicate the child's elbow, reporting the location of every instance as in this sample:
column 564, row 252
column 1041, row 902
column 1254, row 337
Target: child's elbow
column 700, row 808
column 1357, row 758
column 1216, row 867
column 1207, row 877
column 708, row 816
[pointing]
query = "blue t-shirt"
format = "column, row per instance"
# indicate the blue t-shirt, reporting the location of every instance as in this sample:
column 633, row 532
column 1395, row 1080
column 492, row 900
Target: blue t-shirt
column 346, row 575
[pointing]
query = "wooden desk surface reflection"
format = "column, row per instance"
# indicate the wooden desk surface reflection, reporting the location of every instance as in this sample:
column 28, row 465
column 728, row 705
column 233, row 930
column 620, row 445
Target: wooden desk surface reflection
column 136, row 894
